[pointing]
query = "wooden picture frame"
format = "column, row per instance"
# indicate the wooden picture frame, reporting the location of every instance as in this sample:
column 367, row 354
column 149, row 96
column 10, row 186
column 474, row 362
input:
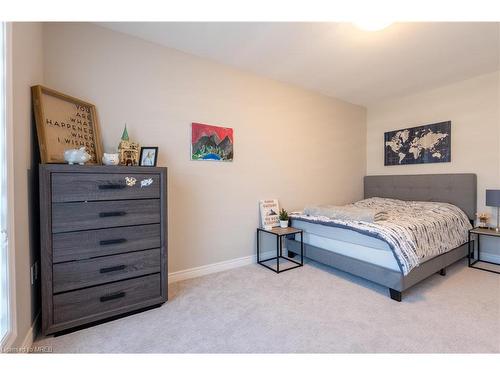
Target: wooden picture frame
column 64, row 122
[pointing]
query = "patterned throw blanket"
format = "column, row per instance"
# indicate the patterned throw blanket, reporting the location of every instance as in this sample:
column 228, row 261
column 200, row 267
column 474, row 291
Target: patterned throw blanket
column 413, row 230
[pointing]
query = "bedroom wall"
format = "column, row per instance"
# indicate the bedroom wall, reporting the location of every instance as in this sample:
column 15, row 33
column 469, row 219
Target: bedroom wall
column 27, row 70
column 290, row 143
column 473, row 108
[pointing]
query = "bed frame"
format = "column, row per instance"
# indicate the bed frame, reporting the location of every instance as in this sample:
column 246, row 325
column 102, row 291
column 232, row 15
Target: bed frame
column 459, row 189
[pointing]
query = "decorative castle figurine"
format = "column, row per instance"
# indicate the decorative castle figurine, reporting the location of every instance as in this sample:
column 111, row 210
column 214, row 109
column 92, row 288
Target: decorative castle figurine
column 129, row 151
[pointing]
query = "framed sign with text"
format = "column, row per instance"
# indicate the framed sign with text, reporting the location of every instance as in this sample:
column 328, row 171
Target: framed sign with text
column 64, row 122
column 269, row 213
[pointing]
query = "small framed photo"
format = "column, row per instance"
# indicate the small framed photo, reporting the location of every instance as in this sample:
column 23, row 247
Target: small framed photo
column 149, row 156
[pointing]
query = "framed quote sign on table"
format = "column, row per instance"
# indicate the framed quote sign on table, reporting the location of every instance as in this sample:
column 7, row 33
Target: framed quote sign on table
column 64, row 122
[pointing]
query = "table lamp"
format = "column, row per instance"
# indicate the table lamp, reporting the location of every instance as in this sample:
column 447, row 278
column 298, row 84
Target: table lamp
column 493, row 199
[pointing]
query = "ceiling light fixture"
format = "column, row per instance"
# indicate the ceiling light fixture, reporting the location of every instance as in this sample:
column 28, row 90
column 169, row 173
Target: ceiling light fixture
column 372, row 25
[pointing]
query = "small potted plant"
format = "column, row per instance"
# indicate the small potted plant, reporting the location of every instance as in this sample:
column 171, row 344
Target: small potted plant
column 283, row 218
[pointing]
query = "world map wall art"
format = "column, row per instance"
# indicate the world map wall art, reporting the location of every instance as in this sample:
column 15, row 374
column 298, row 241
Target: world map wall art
column 422, row 144
column 210, row 142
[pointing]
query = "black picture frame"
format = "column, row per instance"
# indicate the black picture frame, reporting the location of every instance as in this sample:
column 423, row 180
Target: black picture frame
column 155, row 157
column 442, row 154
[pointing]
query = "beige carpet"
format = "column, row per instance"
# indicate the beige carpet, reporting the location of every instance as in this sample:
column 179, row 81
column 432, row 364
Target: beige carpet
column 310, row 309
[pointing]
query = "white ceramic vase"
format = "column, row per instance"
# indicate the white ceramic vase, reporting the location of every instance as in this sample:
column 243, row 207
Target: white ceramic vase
column 110, row 159
column 284, row 223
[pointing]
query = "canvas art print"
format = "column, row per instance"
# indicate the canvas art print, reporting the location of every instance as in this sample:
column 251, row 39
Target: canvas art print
column 269, row 210
column 422, row 144
column 210, row 142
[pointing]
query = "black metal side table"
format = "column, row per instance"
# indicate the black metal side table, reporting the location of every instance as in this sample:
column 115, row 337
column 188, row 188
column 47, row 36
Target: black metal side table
column 480, row 232
column 280, row 233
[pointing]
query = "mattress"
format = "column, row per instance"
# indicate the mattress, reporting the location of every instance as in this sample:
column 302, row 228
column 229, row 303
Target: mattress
column 349, row 243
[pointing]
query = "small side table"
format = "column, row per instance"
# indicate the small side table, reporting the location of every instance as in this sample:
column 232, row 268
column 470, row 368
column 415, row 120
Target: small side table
column 280, row 233
column 480, row 232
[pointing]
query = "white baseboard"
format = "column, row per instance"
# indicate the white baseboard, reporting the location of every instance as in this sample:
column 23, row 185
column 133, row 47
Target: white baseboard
column 216, row 267
column 31, row 334
column 27, row 343
column 8, row 341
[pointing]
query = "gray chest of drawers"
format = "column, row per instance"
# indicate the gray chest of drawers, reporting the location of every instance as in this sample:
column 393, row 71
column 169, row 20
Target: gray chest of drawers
column 103, row 242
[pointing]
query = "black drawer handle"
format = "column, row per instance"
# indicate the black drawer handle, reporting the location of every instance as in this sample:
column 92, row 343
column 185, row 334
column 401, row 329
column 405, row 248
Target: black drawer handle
column 112, row 242
column 114, row 268
column 114, row 213
column 111, row 186
column 110, row 297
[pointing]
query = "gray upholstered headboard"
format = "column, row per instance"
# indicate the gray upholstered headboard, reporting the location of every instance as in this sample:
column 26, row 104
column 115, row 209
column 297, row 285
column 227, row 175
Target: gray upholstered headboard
column 459, row 189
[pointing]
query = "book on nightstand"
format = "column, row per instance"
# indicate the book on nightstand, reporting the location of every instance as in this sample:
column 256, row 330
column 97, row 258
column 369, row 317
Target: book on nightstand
column 269, row 210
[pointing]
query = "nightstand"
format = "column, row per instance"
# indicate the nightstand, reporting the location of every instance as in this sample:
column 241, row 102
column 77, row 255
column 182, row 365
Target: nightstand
column 478, row 232
column 280, row 233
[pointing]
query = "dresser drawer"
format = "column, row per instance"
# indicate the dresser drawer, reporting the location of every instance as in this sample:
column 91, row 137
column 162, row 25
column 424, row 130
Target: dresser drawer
column 88, row 302
column 74, row 187
column 85, row 273
column 68, row 217
column 95, row 243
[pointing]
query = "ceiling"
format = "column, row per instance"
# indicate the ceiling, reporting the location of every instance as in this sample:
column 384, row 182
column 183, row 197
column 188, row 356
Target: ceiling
column 337, row 59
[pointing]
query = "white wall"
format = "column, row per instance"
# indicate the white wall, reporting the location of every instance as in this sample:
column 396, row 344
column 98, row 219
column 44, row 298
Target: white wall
column 290, row 144
column 27, row 70
column 473, row 108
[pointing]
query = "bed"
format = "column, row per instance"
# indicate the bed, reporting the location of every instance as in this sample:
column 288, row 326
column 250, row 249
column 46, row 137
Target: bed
column 370, row 256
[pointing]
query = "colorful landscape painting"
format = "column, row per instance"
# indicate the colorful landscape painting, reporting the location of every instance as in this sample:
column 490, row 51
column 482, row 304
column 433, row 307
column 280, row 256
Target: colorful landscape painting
column 210, row 142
